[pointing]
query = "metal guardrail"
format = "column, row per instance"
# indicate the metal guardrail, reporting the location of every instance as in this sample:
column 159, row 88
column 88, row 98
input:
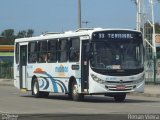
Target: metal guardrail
column 152, row 69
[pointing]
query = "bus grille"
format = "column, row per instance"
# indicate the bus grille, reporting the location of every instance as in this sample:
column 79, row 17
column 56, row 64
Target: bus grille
column 114, row 88
column 118, row 82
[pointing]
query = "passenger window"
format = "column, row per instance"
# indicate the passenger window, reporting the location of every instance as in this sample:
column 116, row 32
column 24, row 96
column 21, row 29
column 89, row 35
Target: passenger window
column 52, row 51
column 63, row 50
column 74, row 50
column 42, row 51
column 32, row 52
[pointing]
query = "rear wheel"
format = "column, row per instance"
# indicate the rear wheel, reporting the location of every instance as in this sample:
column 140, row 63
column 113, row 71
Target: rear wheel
column 75, row 95
column 35, row 90
column 120, row 97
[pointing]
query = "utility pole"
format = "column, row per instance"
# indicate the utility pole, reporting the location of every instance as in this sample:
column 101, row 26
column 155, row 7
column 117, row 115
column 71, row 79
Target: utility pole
column 79, row 14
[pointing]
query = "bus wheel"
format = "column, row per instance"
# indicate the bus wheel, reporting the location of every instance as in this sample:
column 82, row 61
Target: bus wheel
column 120, row 97
column 75, row 95
column 35, row 90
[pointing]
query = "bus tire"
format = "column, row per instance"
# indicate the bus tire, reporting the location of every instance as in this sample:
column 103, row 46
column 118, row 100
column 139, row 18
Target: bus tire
column 35, row 90
column 119, row 97
column 75, row 95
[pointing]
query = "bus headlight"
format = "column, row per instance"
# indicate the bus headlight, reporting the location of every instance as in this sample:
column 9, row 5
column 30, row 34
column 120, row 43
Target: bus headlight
column 96, row 79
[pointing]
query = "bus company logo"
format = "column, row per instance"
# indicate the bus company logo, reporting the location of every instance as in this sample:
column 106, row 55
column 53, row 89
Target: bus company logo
column 61, row 70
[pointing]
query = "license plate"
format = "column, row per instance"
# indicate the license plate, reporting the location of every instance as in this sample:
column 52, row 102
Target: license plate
column 120, row 87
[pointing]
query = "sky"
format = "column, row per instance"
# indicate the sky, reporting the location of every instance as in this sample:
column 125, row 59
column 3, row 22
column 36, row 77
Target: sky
column 61, row 15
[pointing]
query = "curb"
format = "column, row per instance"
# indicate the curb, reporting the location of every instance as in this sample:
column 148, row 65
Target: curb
column 6, row 82
column 3, row 84
column 145, row 94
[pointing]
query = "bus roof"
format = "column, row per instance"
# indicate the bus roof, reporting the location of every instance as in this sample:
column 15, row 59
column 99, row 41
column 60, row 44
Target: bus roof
column 79, row 32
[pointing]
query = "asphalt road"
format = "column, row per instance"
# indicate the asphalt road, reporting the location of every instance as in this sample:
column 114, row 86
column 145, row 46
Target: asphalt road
column 12, row 101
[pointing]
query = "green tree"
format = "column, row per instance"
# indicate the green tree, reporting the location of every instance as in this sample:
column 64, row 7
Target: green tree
column 22, row 34
column 25, row 33
column 30, row 33
column 8, row 34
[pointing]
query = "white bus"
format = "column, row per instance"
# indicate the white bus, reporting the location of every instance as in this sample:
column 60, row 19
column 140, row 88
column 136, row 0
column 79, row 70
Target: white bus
column 95, row 61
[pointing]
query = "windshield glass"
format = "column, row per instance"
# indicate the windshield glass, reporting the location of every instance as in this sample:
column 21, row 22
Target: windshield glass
column 111, row 55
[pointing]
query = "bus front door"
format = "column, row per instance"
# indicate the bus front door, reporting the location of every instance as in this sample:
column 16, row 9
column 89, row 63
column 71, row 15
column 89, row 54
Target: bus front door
column 84, row 66
column 22, row 66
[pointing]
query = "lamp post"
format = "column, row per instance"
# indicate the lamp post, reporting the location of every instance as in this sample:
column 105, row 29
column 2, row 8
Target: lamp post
column 79, row 14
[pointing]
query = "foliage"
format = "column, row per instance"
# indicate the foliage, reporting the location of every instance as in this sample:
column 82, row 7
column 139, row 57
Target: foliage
column 24, row 33
column 30, row 33
column 8, row 36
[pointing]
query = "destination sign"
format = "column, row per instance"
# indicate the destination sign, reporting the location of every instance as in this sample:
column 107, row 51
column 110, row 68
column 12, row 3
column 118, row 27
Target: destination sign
column 116, row 35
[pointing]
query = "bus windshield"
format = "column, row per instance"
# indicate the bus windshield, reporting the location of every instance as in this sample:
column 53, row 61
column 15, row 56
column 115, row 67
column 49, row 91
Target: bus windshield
column 117, row 55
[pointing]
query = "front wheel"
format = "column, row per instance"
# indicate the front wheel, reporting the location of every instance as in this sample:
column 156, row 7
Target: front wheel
column 120, row 97
column 75, row 95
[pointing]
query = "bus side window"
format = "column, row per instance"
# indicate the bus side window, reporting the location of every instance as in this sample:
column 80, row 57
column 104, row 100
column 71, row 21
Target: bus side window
column 42, row 51
column 52, row 51
column 32, row 52
column 63, row 50
column 74, row 50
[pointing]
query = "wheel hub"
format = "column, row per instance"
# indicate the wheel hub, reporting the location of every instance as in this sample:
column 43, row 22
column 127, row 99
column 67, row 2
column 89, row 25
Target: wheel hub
column 35, row 88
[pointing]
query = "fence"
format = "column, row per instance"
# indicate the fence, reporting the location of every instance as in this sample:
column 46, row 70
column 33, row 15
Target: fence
column 152, row 69
column 6, row 70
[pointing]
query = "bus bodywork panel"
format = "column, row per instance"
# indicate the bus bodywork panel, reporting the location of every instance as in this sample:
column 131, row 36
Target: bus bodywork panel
column 114, row 84
column 93, row 74
column 52, row 77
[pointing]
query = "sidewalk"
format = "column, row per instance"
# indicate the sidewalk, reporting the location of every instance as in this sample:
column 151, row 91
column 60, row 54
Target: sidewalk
column 6, row 82
column 150, row 90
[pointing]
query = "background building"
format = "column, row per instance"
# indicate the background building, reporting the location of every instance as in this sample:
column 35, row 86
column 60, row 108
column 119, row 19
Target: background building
column 6, row 53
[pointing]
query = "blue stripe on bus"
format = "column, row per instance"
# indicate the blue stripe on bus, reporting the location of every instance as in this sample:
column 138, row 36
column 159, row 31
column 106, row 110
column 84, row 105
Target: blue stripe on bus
column 62, row 85
column 47, row 83
column 54, row 83
column 41, row 84
column 55, row 88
